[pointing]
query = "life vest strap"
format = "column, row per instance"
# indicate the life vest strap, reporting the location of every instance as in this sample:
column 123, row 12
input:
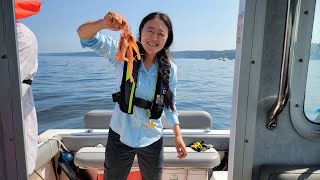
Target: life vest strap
column 141, row 103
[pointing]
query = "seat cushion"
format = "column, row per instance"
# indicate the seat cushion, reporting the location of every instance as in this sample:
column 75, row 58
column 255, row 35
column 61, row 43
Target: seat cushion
column 100, row 119
column 93, row 157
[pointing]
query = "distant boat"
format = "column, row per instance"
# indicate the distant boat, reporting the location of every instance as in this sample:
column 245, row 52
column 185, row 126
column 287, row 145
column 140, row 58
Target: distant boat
column 223, row 58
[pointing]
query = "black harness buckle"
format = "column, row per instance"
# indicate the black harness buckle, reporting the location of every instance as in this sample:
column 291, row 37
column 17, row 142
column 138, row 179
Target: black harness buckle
column 142, row 103
column 116, row 97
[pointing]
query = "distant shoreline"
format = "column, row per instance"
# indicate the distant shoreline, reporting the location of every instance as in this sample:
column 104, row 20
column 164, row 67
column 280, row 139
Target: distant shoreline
column 206, row 54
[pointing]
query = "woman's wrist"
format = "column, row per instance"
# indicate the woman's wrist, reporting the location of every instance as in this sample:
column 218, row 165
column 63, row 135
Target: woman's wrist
column 176, row 130
column 102, row 24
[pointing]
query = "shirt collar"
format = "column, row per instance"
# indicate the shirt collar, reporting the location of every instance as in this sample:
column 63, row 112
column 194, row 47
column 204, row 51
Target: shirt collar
column 154, row 66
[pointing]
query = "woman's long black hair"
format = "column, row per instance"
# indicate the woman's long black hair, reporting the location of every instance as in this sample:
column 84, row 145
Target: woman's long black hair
column 162, row 56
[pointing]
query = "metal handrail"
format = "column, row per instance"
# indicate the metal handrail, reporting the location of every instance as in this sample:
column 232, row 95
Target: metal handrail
column 283, row 94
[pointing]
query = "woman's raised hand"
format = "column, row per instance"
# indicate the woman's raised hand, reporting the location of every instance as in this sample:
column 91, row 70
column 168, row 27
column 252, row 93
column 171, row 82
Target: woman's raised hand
column 114, row 21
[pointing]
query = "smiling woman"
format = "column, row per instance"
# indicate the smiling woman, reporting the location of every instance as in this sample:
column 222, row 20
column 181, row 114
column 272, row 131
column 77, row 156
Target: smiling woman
column 136, row 127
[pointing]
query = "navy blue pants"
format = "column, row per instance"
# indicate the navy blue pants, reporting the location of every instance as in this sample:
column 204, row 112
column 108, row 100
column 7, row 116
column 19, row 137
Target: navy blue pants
column 119, row 158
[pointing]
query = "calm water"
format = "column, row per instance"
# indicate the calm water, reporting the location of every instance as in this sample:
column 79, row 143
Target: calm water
column 312, row 98
column 66, row 87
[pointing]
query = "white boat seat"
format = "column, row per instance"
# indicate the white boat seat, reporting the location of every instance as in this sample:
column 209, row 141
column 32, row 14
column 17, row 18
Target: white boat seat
column 289, row 172
column 46, row 151
column 93, row 158
column 100, row 119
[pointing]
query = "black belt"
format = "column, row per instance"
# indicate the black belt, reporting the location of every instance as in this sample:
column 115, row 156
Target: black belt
column 137, row 101
column 28, row 81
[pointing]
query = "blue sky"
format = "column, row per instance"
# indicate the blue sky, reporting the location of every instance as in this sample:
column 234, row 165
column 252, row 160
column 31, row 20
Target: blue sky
column 198, row 25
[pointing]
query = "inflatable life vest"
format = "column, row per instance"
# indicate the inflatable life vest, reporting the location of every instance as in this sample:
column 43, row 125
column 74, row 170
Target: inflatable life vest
column 126, row 97
column 26, row 8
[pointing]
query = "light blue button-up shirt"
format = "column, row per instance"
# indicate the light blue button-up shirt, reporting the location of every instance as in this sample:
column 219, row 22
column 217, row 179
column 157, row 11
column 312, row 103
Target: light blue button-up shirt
column 133, row 128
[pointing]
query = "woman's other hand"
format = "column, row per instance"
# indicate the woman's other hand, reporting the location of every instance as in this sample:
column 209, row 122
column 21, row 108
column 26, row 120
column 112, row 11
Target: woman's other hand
column 179, row 143
column 180, row 147
column 113, row 21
